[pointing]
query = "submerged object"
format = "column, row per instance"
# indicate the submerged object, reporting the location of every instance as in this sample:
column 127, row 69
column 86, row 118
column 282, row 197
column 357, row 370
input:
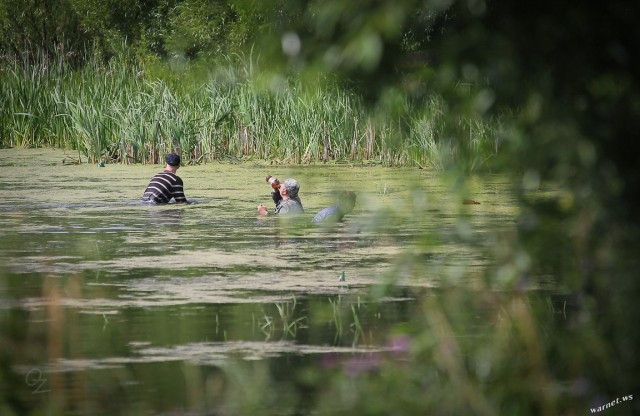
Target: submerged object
column 330, row 214
column 346, row 201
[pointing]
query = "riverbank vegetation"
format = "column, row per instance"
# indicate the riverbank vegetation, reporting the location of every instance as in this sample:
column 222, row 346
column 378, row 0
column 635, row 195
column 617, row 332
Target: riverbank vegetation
column 121, row 111
column 127, row 88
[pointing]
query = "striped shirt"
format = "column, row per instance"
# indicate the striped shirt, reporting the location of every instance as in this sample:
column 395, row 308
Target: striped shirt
column 164, row 186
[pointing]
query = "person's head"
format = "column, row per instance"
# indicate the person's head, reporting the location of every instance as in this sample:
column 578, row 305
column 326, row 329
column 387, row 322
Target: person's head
column 172, row 162
column 289, row 188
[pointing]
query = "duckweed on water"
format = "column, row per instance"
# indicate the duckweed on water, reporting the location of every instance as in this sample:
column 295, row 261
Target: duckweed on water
column 216, row 312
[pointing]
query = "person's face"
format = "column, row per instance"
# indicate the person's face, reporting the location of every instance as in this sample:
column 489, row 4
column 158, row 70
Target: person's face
column 283, row 190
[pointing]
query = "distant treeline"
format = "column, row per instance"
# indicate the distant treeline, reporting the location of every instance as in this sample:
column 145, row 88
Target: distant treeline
column 210, row 29
column 125, row 81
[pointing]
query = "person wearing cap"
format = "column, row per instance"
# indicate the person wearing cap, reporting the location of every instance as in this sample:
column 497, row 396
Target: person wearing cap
column 333, row 214
column 166, row 185
column 286, row 199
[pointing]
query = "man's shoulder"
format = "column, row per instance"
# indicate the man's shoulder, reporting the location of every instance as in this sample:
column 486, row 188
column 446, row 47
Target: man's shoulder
column 170, row 175
column 290, row 205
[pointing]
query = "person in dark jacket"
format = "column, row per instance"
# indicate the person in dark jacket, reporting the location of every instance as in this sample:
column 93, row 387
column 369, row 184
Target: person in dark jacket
column 166, row 185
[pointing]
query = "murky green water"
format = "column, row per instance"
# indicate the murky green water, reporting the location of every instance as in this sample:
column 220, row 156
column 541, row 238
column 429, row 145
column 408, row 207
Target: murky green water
column 110, row 306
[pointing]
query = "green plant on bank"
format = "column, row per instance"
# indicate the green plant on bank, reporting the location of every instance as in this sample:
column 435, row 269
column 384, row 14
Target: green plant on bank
column 338, row 321
column 337, row 317
column 356, row 327
column 116, row 113
column 289, row 322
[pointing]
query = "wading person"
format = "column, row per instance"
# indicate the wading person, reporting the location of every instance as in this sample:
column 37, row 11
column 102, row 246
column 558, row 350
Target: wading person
column 285, row 197
column 345, row 203
column 166, row 185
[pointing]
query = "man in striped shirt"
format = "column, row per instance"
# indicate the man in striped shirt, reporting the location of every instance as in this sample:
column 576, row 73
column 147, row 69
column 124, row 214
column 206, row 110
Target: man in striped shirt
column 166, row 185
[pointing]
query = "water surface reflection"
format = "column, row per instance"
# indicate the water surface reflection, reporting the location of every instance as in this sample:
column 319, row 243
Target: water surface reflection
column 110, row 306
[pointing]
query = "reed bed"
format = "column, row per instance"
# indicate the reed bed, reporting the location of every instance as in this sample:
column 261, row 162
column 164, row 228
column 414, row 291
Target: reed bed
column 115, row 113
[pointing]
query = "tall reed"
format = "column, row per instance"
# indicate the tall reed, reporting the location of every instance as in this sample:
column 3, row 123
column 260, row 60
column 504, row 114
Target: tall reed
column 116, row 113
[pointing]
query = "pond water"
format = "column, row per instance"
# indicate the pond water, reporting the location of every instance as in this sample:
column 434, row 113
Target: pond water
column 113, row 307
